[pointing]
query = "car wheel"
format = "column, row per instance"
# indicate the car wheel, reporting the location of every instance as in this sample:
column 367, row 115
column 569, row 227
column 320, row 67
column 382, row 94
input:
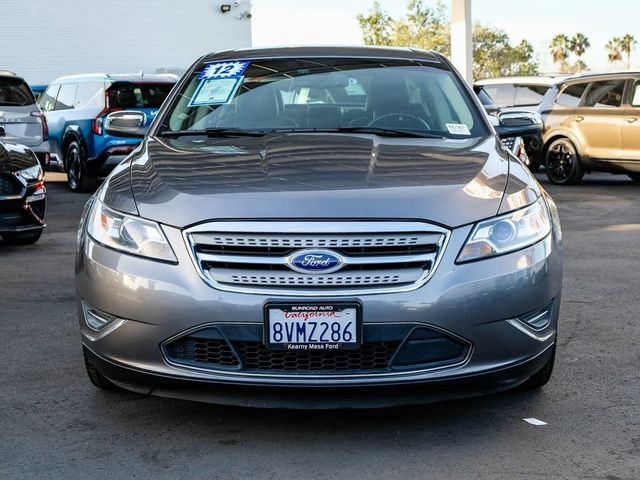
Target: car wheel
column 634, row 176
column 78, row 178
column 97, row 379
column 562, row 163
column 22, row 238
column 542, row 376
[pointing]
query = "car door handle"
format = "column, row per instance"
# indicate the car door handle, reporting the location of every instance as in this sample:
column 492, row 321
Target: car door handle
column 578, row 118
column 630, row 119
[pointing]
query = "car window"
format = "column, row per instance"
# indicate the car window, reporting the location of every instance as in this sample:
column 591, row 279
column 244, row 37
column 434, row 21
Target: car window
column 48, row 99
column 138, row 95
column 635, row 94
column 327, row 93
column 605, row 94
column 66, row 96
column 90, row 95
column 502, row 95
column 15, row 92
column 571, row 94
column 529, row 95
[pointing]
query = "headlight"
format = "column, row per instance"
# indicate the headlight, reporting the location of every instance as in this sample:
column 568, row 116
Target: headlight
column 31, row 174
column 128, row 233
column 507, row 233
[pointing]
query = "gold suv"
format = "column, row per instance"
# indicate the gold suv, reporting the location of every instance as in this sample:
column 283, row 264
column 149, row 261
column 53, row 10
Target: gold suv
column 592, row 123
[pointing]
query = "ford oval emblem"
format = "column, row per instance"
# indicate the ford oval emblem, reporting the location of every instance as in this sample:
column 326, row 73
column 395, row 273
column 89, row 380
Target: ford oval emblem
column 315, row 261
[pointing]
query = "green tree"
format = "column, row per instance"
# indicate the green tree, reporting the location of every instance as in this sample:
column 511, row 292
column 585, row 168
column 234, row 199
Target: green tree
column 578, row 44
column 614, row 46
column 376, row 27
column 559, row 49
column 428, row 28
column 627, row 44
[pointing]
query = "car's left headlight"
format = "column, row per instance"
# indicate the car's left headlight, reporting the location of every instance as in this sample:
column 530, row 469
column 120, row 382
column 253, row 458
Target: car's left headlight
column 128, row 233
column 507, row 233
column 31, row 174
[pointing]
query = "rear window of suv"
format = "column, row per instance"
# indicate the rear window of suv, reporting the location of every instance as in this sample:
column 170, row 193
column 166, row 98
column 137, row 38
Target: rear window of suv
column 138, row 95
column 529, row 95
column 15, row 92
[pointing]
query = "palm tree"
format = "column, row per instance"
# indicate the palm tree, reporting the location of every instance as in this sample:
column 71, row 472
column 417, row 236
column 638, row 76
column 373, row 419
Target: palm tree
column 627, row 44
column 559, row 48
column 615, row 50
column 578, row 45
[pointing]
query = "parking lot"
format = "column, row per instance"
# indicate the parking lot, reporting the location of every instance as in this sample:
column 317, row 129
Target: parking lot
column 56, row 425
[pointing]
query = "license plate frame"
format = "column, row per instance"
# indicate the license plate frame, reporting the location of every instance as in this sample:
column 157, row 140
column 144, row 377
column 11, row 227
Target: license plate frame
column 313, row 307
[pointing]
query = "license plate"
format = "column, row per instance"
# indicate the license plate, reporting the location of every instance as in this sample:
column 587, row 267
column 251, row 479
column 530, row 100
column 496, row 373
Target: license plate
column 312, row 326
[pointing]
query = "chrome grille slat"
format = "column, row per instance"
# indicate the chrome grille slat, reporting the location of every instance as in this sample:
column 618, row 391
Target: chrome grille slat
column 372, row 260
column 314, row 241
column 363, row 277
column 377, row 256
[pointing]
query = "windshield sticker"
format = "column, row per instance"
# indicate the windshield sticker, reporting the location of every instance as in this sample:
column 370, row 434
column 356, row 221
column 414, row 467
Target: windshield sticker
column 215, row 91
column 223, row 70
column 458, row 129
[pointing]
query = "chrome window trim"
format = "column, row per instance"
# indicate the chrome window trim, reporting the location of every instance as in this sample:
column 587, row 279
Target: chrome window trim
column 315, row 227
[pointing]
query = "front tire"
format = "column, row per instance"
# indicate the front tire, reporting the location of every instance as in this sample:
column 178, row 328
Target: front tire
column 562, row 163
column 22, row 238
column 97, row 379
column 78, row 178
column 542, row 376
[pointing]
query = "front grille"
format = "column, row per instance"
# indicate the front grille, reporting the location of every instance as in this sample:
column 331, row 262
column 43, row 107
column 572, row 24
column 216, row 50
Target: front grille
column 9, row 185
column 385, row 349
column 204, row 350
column 371, row 356
column 375, row 254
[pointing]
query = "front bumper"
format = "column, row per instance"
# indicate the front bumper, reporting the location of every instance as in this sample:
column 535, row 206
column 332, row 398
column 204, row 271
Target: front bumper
column 476, row 302
column 23, row 210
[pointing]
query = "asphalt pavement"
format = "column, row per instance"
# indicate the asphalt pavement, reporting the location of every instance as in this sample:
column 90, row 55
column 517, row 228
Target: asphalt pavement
column 55, row 425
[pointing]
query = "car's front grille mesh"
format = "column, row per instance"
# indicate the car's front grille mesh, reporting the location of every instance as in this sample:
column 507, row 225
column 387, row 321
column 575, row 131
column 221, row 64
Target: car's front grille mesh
column 371, row 356
column 9, row 185
column 380, row 258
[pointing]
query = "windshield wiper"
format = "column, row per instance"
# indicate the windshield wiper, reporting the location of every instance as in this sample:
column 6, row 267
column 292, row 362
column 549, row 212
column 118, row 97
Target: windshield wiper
column 385, row 132
column 214, row 132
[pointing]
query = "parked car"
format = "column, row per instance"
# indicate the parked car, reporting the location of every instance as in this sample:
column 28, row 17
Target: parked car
column 519, row 131
column 592, row 123
column 521, row 93
column 21, row 121
column 319, row 227
column 22, row 195
column 38, row 90
column 76, row 107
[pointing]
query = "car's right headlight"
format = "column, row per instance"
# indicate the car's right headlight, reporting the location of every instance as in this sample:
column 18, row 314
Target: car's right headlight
column 507, row 233
column 128, row 233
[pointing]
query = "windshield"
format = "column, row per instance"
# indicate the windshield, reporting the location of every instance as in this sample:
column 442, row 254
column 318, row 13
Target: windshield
column 324, row 95
column 138, row 95
column 15, row 92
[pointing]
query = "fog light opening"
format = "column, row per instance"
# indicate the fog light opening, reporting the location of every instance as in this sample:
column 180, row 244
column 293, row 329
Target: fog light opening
column 95, row 319
column 538, row 320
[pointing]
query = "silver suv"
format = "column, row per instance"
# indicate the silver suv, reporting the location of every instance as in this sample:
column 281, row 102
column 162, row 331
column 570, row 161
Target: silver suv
column 21, row 121
column 319, row 227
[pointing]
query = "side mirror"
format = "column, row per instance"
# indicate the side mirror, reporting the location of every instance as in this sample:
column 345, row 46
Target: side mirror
column 128, row 123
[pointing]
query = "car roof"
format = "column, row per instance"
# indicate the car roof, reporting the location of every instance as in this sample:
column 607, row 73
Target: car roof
column 119, row 77
column 603, row 75
column 394, row 53
column 546, row 80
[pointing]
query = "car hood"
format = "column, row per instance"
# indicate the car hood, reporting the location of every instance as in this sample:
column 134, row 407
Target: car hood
column 188, row 180
column 15, row 157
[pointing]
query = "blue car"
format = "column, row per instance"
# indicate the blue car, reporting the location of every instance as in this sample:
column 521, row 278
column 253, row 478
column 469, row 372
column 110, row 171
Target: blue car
column 76, row 107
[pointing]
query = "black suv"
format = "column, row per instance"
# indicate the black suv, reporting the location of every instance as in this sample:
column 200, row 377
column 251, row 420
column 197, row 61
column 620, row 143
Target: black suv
column 22, row 195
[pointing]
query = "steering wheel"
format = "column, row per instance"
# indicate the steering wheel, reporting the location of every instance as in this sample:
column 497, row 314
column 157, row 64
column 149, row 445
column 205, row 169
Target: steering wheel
column 403, row 120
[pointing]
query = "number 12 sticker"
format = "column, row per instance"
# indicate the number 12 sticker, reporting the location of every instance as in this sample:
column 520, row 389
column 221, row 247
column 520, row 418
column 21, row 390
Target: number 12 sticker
column 223, row 70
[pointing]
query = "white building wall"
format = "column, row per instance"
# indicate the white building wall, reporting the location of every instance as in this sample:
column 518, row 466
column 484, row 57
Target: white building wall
column 41, row 40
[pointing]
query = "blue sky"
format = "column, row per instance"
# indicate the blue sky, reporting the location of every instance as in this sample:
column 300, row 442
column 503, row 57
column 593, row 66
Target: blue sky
column 295, row 22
